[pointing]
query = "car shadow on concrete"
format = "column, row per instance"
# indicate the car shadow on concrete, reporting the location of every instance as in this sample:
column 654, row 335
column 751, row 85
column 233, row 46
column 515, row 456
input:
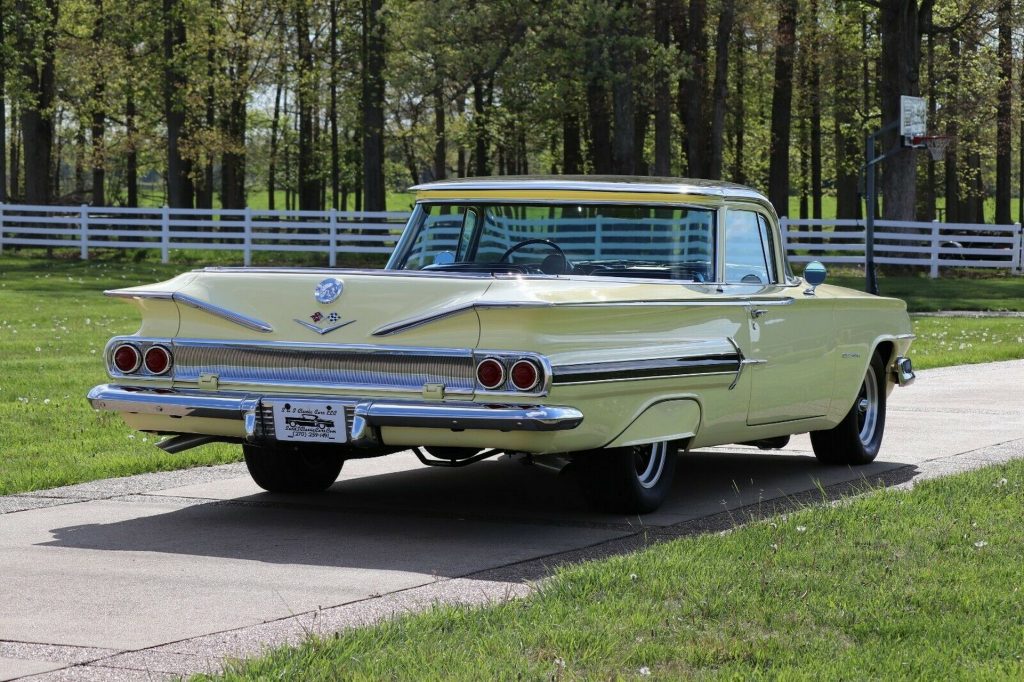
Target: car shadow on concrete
column 495, row 520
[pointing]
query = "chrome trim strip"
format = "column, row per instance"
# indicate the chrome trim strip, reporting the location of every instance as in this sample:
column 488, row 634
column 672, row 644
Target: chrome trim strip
column 413, row 322
column 657, row 368
column 193, row 302
column 903, row 337
column 428, row 415
column 229, row 315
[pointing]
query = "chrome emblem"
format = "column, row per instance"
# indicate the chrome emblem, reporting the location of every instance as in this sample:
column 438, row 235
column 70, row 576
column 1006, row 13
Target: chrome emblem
column 328, row 290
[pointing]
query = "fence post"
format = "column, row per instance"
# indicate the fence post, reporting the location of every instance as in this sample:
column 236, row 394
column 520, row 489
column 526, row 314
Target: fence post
column 1016, row 259
column 1, row 227
column 247, row 238
column 165, row 235
column 784, row 233
column 83, row 231
column 332, row 230
column 933, row 271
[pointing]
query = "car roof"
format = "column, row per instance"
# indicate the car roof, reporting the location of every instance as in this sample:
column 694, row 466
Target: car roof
column 596, row 184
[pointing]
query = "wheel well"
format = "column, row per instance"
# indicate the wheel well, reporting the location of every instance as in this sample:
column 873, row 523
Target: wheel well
column 885, row 350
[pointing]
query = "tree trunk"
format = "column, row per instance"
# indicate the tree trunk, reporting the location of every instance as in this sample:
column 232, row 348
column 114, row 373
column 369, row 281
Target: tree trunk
column 662, row 92
column 179, row 170
column 1004, row 124
column 782, row 102
column 624, row 113
column 951, row 180
column 275, row 124
column 928, row 208
column 902, row 22
column 373, row 106
column 15, row 161
column 440, row 139
column 36, row 35
column 308, row 184
column 482, row 141
column 335, row 152
column 847, row 142
column 232, row 170
column 131, row 171
column 3, row 116
column 690, row 40
column 720, row 90
column 571, row 144
column 599, row 120
column 740, row 108
column 814, row 60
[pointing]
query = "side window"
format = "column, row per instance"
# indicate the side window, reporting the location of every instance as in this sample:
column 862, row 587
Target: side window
column 748, row 249
column 437, row 237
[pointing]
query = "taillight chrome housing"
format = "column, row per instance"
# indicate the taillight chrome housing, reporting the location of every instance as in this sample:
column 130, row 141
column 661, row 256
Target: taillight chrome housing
column 512, row 373
column 490, row 372
column 525, row 375
column 158, row 360
column 126, row 358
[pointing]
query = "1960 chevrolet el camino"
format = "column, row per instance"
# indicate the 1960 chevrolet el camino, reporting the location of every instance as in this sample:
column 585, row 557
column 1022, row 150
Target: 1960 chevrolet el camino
column 607, row 322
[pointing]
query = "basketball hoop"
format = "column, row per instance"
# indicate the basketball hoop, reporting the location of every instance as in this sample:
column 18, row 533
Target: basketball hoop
column 935, row 144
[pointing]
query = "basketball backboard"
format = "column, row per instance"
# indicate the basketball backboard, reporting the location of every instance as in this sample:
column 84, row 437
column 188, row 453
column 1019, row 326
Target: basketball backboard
column 913, row 119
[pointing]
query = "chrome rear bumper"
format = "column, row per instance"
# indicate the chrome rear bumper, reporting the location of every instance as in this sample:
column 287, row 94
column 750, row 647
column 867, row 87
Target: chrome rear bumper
column 904, row 371
column 365, row 415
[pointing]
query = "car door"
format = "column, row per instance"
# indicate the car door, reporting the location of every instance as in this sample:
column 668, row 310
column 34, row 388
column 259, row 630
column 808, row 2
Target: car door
column 791, row 348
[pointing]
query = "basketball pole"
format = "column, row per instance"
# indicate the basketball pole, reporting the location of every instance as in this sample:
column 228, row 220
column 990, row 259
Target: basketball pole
column 870, row 161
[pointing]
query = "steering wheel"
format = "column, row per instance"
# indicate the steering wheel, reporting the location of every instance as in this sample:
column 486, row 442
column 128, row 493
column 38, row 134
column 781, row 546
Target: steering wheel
column 526, row 242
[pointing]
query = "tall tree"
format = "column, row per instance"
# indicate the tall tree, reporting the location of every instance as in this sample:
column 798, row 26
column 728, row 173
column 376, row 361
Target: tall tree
column 180, row 193
column 373, row 105
column 782, row 105
column 35, row 43
column 1004, row 120
column 690, row 37
column 902, row 24
column 308, row 178
column 3, row 103
column 662, row 89
column 720, row 91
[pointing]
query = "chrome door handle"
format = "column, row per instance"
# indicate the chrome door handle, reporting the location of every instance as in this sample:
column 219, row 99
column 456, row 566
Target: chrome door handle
column 758, row 312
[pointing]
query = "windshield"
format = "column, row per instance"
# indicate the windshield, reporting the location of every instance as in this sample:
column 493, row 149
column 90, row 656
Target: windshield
column 661, row 242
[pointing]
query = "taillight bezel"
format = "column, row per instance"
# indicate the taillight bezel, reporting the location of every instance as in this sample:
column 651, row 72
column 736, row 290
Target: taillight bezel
column 138, row 358
column 538, row 374
column 167, row 354
column 503, row 377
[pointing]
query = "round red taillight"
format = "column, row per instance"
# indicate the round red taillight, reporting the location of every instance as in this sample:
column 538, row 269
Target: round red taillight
column 490, row 373
column 525, row 375
column 158, row 360
column 127, row 358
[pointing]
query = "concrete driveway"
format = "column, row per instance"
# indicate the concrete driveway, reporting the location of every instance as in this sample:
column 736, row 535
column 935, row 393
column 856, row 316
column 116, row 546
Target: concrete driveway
column 160, row 574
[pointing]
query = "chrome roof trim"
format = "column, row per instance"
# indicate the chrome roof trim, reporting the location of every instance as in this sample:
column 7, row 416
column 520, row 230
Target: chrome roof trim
column 412, row 322
column 193, row 302
column 595, row 183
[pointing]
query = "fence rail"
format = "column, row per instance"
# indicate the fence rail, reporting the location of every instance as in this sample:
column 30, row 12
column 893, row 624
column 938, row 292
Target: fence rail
column 931, row 245
column 925, row 244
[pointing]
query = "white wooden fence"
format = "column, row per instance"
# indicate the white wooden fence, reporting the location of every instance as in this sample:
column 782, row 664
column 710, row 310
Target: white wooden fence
column 247, row 230
column 931, row 245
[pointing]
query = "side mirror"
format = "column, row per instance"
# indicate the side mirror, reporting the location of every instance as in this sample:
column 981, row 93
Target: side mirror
column 814, row 274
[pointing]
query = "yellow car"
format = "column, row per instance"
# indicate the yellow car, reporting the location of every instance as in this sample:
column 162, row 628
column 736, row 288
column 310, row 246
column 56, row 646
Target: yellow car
column 606, row 322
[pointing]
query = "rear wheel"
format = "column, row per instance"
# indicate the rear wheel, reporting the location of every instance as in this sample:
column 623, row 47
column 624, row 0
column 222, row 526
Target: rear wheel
column 857, row 439
column 630, row 480
column 292, row 468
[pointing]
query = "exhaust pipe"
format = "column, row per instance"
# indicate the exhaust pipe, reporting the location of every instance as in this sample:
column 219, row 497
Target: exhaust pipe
column 186, row 441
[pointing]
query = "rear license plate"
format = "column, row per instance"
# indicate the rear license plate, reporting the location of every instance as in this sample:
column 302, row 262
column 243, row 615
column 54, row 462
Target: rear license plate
column 309, row 421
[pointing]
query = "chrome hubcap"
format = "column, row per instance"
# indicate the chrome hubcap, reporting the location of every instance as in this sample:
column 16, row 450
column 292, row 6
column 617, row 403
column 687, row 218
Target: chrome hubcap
column 867, row 407
column 650, row 462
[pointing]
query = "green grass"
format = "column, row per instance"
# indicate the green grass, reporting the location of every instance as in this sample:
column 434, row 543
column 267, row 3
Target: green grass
column 828, row 207
column 992, row 293
column 944, row 341
column 894, row 585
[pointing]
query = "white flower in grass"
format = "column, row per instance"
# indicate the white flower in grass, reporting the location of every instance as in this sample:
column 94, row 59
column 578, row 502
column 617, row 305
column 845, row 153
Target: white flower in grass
column 131, row 436
column 633, row 577
column 46, row 402
column 1000, row 483
column 980, row 543
column 644, row 671
column 38, row 349
column 801, row 529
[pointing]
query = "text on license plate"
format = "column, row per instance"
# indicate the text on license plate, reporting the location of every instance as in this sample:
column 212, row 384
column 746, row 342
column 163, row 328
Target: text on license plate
column 310, row 421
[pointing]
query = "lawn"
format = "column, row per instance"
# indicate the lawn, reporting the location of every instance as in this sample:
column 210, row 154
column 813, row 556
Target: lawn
column 54, row 323
column 893, row 585
column 993, row 293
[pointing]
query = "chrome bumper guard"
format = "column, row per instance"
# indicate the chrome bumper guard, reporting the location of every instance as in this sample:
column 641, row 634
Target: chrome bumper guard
column 904, row 371
column 367, row 415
